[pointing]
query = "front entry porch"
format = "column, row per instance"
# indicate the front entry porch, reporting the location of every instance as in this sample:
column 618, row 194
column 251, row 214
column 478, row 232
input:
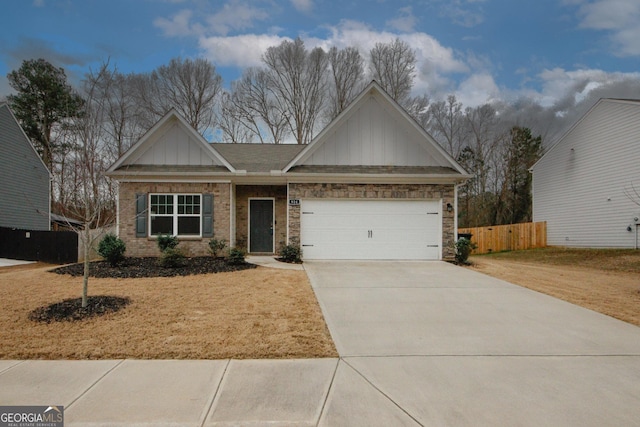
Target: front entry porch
column 261, row 218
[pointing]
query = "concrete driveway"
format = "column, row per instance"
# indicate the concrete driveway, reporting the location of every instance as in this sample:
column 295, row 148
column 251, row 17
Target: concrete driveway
column 449, row 346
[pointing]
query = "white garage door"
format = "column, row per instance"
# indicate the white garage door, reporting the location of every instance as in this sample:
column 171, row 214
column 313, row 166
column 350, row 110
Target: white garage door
column 371, row 229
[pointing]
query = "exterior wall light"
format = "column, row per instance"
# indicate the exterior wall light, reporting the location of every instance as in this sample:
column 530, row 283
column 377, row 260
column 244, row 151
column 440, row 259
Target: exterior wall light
column 449, row 207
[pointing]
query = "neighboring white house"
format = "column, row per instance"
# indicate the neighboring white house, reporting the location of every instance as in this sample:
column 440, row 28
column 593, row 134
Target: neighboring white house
column 581, row 185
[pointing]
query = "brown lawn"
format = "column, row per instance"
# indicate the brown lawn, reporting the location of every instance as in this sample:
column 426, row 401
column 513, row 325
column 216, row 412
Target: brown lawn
column 603, row 280
column 259, row 313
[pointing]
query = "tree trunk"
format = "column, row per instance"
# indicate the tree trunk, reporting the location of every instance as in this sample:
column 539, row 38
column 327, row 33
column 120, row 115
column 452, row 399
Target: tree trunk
column 85, row 277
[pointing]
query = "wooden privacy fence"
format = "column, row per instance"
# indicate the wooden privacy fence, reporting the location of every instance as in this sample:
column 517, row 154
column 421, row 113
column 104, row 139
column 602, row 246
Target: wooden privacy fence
column 512, row 237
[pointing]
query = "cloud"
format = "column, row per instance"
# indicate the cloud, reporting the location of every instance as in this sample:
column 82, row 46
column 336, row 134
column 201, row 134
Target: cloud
column 405, row 22
column 178, row 26
column 231, row 16
column 478, row 89
column 617, row 17
column 304, row 6
column 238, row 51
column 434, row 61
column 29, row 48
column 466, row 13
column 235, row 15
column 563, row 89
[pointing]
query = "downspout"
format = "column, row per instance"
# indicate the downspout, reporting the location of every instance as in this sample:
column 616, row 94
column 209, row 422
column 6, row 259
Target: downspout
column 232, row 215
column 118, row 212
column 288, row 213
column 455, row 212
column 50, row 189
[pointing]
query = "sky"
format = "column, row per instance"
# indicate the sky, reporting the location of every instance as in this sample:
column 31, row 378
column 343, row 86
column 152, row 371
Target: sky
column 551, row 54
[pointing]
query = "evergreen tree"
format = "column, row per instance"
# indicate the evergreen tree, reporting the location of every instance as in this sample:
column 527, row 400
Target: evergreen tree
column 44, row 99
column 522, row 151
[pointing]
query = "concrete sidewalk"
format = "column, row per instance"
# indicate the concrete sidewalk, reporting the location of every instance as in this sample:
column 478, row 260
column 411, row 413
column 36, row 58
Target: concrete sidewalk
column 307, row 392
column 420, row 344
column 6, row 262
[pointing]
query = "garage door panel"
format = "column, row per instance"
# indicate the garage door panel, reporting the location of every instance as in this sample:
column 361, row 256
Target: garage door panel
column 348, row 229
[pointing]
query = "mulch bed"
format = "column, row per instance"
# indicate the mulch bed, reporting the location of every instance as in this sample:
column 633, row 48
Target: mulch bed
column 71, row 310
column 148, row 267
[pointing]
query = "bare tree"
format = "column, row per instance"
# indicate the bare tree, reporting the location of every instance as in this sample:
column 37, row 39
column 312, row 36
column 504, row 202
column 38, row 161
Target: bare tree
column 93, row 197
column 122, row 117
column 418, row 108
column 297, row 79
column 346, row 68
column 189, row 86
column 481, row 156
column 447, row 125
column 255, row 104
column 393, row 66
column 231, row 121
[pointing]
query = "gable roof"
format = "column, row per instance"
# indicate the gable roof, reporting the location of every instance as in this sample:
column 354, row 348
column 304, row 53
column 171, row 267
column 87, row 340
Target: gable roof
column 396, row 141
column 172, row 136
column 258, row 157
column 378, row 136
column 634, row 102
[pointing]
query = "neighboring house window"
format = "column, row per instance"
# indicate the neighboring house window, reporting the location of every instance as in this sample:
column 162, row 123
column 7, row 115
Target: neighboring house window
column 175, row 214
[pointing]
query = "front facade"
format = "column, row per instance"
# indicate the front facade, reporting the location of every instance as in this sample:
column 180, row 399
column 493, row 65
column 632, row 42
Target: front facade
column 583, row 187
column 24, row 179
column 371, row 185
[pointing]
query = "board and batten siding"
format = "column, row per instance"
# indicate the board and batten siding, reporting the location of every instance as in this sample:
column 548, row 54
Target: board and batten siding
column 374, row 135
column 176, row 146
column 24, row 179
column 579, row 185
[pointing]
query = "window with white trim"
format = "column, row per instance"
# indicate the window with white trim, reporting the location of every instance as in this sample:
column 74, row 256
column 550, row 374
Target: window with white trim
column 175, row 214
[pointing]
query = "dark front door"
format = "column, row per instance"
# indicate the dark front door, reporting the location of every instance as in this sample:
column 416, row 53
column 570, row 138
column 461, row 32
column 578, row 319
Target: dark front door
column 261, row 226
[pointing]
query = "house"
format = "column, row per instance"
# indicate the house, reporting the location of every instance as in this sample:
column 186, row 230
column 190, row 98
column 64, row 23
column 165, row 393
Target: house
column 582, row 185
column 372, row 185
column 25, row 181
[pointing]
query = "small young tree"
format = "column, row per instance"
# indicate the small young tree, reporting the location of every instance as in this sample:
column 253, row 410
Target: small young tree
column 92, row 199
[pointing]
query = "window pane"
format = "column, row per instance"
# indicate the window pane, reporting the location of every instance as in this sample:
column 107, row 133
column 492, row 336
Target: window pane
column 154, row 200
column 189, row 226
column 180, row 209
column 161, row 225
column 180, row 200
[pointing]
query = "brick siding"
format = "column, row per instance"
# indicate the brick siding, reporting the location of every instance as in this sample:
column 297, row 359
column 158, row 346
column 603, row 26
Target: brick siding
column 145, row 246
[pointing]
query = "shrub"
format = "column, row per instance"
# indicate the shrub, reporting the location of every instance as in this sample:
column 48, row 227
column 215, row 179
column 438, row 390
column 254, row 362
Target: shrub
column 165, row 242
column 217, row 246
column 236, row 256
column 172, row 258
column 291, row 254
column 464, row 247
column 112, row 249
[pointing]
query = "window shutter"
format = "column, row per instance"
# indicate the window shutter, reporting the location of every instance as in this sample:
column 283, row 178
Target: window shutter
column 141, row 215
column 207, row 215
